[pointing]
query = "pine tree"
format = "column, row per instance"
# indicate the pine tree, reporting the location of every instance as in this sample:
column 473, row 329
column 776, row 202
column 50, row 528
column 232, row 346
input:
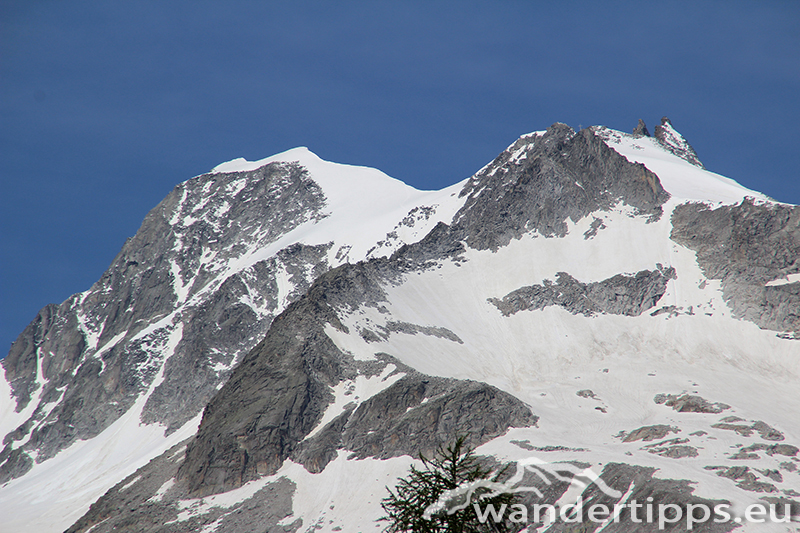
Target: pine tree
column 447, row 470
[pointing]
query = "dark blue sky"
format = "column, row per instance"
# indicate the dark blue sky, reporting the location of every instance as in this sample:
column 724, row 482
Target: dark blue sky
column 106, row 106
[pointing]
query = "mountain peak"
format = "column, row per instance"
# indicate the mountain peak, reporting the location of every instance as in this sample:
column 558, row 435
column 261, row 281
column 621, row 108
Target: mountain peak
column 673, row 141
column 641, row 129
column 240, row 164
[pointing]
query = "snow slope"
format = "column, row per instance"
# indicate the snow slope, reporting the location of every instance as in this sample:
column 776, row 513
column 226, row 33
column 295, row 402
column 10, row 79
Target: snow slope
column 546, row 357
column 364, row 205
column 683, row 180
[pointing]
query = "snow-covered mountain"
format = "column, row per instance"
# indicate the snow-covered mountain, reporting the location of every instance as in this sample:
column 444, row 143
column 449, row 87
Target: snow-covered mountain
column 281, row 337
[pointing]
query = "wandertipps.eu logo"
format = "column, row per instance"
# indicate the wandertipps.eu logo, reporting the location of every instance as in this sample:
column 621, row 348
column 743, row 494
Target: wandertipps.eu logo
column 461, row 497
column 570, row 506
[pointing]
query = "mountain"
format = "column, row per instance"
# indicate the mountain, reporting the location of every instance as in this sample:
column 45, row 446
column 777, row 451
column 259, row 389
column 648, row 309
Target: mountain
column 281, row 338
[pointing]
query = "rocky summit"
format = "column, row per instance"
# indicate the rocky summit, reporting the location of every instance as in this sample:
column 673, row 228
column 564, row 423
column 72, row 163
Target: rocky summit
column 593, row 312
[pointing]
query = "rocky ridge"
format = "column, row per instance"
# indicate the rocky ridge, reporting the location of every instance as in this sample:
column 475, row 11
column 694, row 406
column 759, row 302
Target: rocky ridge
column 673, row 141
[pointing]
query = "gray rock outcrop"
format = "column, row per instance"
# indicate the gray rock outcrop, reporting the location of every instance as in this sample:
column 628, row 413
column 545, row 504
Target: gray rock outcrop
column 619, row 295
column 690, row 403
column 541, row 181
column 673, row 141
column 414, row 416
column 641, row 129
column 649, row 433
column 746, row 246
column 147, row 502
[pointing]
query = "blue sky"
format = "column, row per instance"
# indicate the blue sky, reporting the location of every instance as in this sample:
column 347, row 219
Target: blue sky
column 106, row 106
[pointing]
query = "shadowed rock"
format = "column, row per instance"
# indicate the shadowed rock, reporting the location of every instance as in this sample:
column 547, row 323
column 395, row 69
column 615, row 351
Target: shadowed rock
column 416, row 415
column 641, row 129
column 543, row 180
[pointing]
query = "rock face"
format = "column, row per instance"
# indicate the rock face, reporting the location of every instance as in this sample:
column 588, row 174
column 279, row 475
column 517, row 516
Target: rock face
column 544, row 180
column 641, row 130
column 675, row 143
column 414, row 416
column 194, row 384
column 619, row 295
column 145, row 502
column 162, row 298
column 746, row 247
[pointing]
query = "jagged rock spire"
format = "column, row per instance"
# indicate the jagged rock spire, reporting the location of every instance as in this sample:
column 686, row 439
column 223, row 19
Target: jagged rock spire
column 641, row 129
column 668, row 136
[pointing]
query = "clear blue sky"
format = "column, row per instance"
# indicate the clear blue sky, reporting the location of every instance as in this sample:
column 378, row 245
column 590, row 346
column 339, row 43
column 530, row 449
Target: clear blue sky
column 106, row 106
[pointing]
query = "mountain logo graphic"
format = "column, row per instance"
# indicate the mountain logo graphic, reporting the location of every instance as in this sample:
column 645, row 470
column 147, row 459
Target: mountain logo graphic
column 459, row 498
